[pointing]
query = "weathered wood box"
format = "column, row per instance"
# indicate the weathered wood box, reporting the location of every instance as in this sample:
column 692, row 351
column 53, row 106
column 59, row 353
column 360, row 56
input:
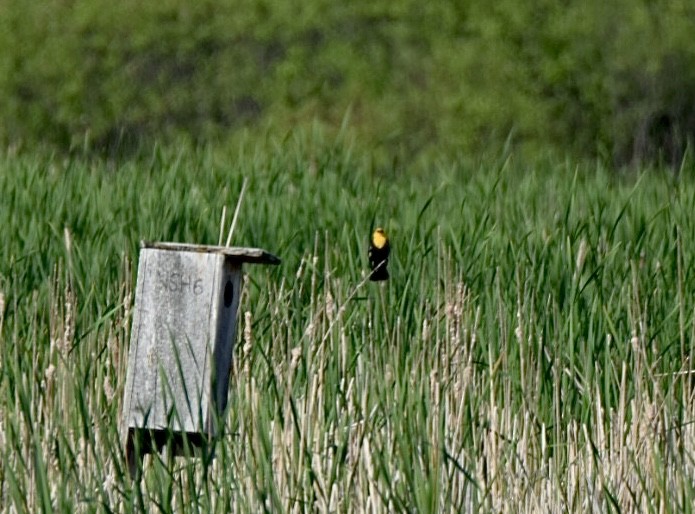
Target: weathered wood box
column 181, row 343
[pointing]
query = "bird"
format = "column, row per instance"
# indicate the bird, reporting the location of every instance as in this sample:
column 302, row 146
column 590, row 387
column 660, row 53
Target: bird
column 379, row 249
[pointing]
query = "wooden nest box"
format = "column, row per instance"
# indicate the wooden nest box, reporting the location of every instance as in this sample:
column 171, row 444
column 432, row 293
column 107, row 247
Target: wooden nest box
column 181, row 344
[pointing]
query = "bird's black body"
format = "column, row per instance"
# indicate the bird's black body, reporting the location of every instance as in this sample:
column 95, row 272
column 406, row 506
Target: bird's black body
column 379, row 249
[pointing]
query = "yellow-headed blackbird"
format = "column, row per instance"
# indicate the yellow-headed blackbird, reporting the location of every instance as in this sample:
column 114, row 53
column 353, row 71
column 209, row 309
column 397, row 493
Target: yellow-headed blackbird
column 379, row 249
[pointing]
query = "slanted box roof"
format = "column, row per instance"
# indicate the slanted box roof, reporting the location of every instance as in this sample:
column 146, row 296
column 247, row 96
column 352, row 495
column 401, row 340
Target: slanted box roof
column 238, row 254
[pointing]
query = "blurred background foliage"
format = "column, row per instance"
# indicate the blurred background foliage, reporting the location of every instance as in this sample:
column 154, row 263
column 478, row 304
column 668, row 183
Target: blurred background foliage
column 590, row 79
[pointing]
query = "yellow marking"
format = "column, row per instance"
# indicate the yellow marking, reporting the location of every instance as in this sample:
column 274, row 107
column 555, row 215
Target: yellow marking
column 379, row 238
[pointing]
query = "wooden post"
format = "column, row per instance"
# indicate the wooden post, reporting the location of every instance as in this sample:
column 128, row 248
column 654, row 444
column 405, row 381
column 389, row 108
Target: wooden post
column 181, row 344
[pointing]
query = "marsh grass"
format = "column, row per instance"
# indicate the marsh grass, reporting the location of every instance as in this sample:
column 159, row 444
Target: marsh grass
column 531, row 352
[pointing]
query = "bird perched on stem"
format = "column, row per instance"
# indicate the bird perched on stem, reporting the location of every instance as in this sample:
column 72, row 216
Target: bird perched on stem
column 379, row 249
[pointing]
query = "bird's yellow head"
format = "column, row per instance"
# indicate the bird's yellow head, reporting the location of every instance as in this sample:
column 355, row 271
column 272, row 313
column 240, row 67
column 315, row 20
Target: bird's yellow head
column 379, row 238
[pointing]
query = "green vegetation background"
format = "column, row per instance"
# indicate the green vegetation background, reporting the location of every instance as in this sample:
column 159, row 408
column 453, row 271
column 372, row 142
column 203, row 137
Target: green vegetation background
column 553, row 298
column 613, row 80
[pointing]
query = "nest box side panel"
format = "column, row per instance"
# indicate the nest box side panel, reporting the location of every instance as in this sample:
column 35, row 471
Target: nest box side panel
column 226, row 327
column 171, row 343
column 128, row 418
